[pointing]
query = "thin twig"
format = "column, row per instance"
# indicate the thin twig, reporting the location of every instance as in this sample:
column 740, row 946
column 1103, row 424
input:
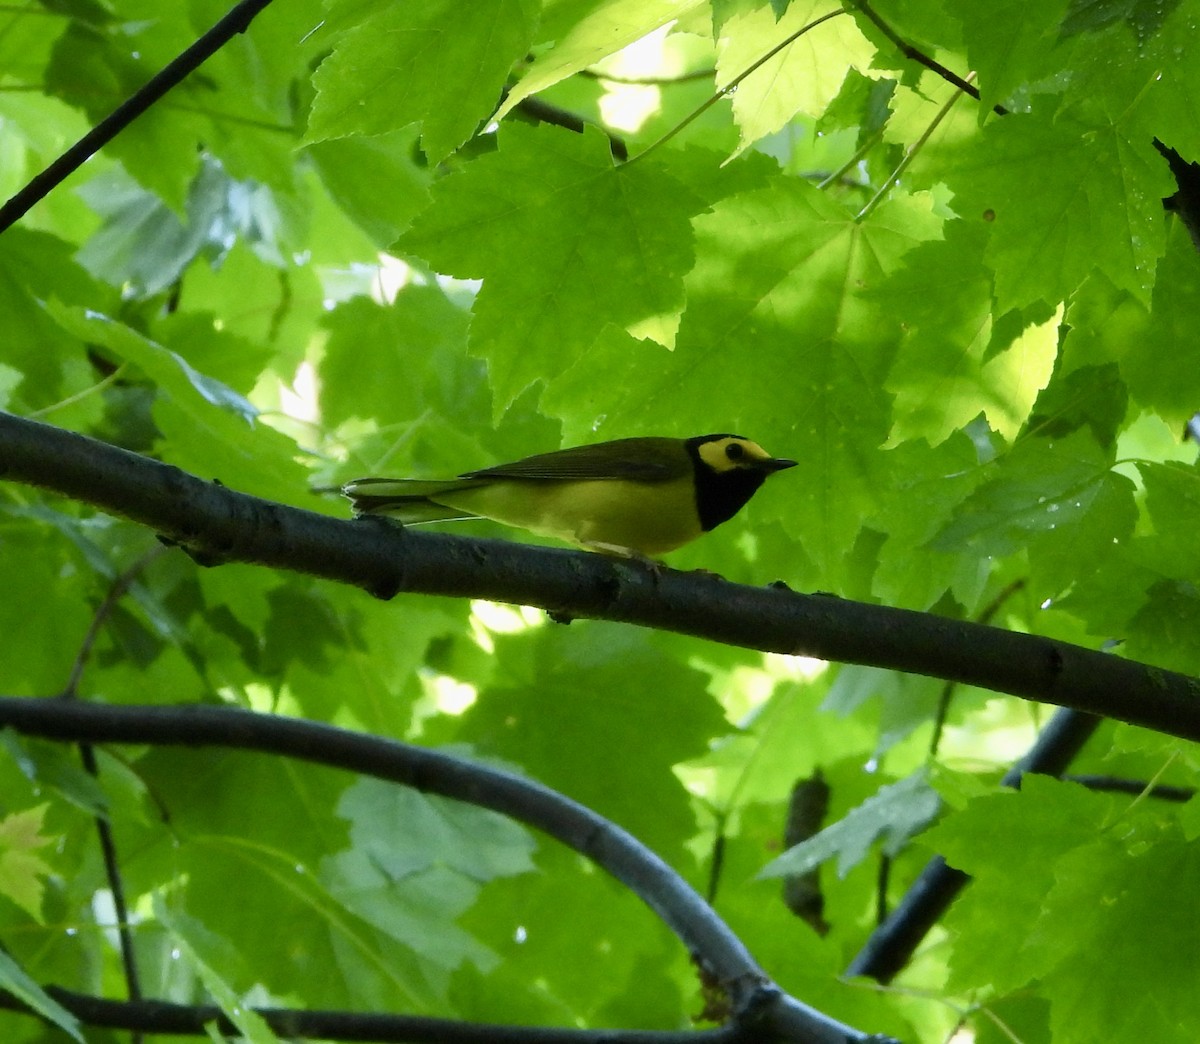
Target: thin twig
column 920, row 57
column 87, row 753
column 648, row 81
column 116, row 887
column 868, row 144
column 909, row 155
column 116, row 591
column 40, row 186
column 985, row 617
column 717, row 858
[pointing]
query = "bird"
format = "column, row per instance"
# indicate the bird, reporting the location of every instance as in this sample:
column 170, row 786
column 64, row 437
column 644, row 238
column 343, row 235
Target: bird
column 631, row 498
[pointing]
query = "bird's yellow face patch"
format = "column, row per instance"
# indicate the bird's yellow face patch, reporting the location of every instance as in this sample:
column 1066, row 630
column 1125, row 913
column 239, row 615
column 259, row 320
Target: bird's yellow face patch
column 730, row 453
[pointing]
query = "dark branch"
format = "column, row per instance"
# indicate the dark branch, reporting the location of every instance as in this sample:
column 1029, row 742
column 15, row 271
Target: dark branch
column 1185, row 201
column 1116, row 785
column 116, row 591
column 893, row 943
column 920, row 57
column 540, row 111
column 181, row 1019
column 753, row 997
column 236, row 21
column 217, row 524
column 87, row 753
column 943, row 709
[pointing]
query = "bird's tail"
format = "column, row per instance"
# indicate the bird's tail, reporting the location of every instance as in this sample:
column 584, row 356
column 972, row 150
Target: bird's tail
column 408, row 500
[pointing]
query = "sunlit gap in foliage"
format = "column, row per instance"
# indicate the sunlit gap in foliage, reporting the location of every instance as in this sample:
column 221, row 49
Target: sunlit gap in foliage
column 257, row 696
column 384, row 281
column 997, row 733
column 449, row 695
column 444, row 694
column 744, row 692
column 299, row 400
column 293, row 406
column 491, row 618
column 441, row 695
column 627, row 106
column 104, row 911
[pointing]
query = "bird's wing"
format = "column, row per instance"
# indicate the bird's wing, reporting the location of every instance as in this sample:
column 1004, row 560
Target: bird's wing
column 405, row 489
column 639, row 460
column 412, row 501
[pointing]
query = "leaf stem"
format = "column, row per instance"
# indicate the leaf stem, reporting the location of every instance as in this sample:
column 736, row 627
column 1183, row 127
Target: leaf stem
column 91, row 389
column 733, row 84
column 868, row 144
column 909, row 155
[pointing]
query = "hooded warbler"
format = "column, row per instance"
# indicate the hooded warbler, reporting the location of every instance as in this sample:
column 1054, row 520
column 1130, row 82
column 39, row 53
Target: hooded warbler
column 632, row 497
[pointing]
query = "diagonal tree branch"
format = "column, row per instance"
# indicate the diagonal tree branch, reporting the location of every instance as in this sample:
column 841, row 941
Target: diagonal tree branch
column 194, row 1020
column 216, row 524
column 892, row 944
column 1133, row 787
column 754, row 999
column 915, row 54
column 40, row 186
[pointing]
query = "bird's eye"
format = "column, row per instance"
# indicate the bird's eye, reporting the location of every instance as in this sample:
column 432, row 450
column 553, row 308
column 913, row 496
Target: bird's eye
column 735, row 451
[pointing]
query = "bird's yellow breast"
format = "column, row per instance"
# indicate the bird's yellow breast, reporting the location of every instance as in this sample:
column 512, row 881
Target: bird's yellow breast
column 601, row 514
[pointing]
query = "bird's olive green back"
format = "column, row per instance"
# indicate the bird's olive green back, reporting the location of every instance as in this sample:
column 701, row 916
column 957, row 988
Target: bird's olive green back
column 638, row 460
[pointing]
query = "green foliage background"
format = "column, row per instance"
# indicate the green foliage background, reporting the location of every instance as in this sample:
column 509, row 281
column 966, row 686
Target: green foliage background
column 320, row 258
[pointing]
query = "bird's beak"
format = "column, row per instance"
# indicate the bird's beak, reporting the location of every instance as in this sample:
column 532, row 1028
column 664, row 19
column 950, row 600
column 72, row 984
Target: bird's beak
column 773, row 464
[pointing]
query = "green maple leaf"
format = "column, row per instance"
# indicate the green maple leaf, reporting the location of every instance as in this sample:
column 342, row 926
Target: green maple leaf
column 565, row 243
column 783, row 285
column 584, row 33
column 1010, row 842
column 892, row 815
column 1064, row 197
column 440, row 63
column 21, row 871
column 803, row 77
column 1117, row 940
column 1009, row 43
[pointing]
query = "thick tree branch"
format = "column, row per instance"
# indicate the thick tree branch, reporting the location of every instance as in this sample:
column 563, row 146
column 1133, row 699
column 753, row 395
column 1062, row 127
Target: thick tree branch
column 892, row 944
column 216, row 524
column 754, row 998
column 190, row 1020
